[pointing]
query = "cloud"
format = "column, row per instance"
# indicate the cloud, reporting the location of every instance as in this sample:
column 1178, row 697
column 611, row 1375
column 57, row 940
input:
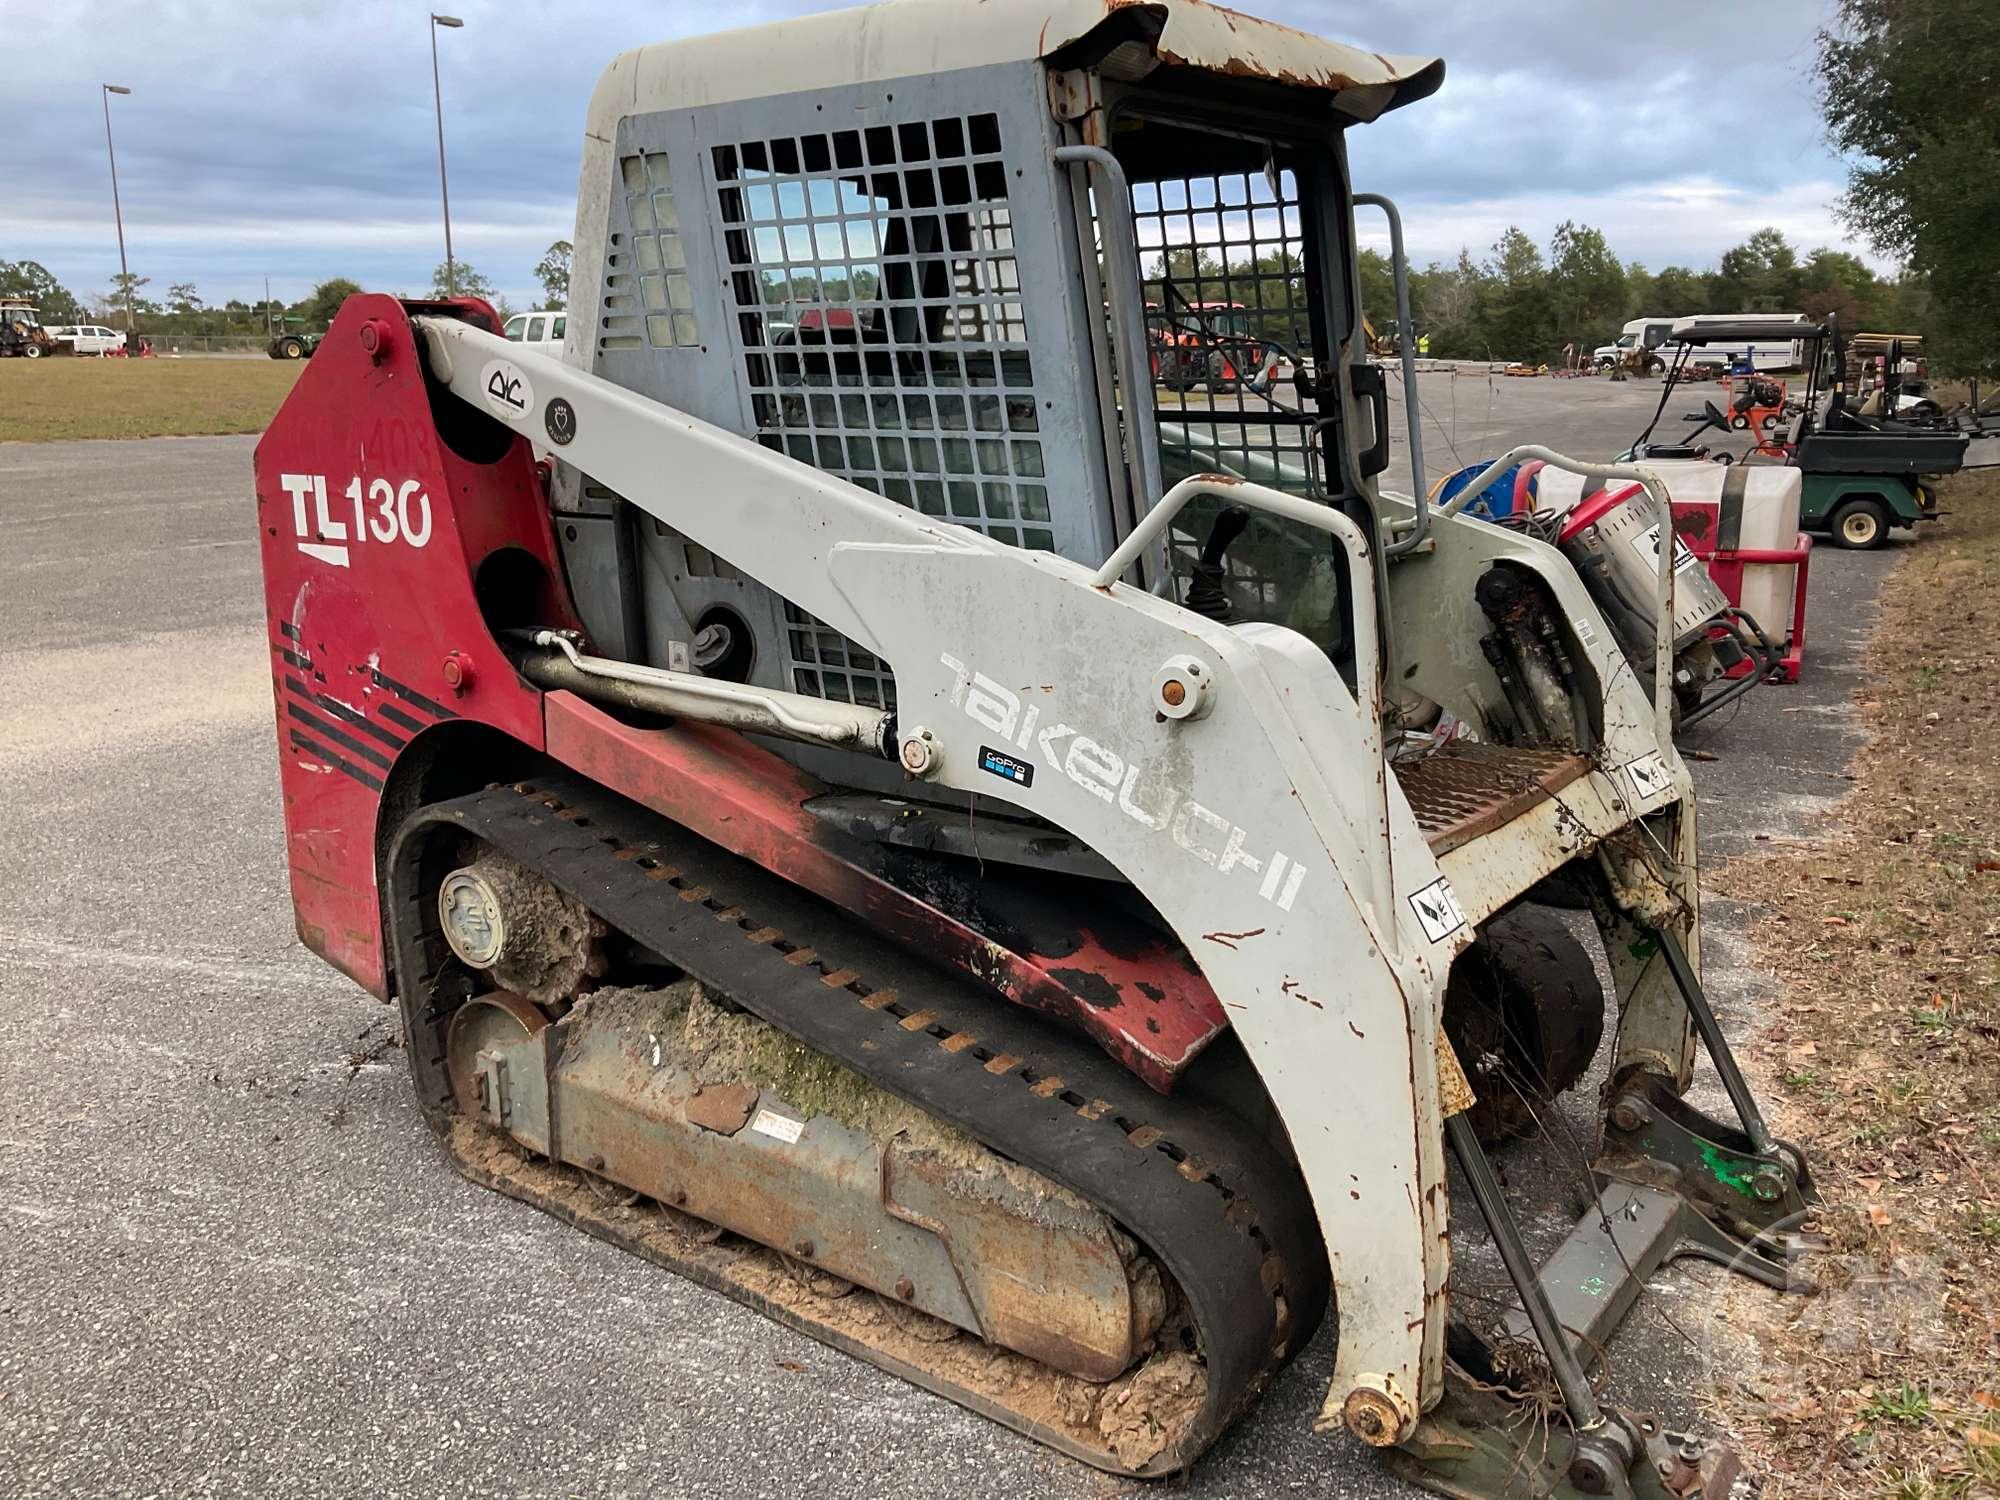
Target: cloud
column 296, row 138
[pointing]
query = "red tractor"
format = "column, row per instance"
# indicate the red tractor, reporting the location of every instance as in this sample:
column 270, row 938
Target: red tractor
column 1204, row 344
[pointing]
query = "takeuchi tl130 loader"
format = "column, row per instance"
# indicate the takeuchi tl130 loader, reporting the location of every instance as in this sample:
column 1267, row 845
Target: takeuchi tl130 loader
column 1025, row 877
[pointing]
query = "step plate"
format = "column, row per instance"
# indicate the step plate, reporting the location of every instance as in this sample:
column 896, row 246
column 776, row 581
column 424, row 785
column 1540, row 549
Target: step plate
column 1464, row 790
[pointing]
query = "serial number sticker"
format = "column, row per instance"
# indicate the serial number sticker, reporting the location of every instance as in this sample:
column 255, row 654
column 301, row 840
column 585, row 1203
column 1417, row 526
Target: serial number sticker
column 779, row 1127
column 1007, row 767
column 1437, row 909
column 1586, row 632
column 1649, row 777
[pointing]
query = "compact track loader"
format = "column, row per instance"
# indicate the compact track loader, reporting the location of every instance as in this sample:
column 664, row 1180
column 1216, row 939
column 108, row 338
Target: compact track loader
column 1026, row 877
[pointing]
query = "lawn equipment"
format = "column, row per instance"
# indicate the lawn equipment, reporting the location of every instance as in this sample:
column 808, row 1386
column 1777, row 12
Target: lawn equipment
column 1860, row 475
column 1610, row 533
column 1754, row 403
column 293, row 343
column 22, row 335
column 1207, row 344
column 858, row 837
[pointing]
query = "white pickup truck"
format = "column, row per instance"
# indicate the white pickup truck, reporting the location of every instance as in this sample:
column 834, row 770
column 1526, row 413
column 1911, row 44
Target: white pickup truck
column 88, row 338
column 540, row 331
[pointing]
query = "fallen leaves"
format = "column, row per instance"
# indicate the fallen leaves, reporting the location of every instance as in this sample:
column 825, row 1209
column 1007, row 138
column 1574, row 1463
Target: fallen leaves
column 1885, row 1034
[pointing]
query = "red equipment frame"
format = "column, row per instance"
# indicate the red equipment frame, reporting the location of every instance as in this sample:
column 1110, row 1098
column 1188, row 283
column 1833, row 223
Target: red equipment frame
column 1696, row 526
column 400, row 530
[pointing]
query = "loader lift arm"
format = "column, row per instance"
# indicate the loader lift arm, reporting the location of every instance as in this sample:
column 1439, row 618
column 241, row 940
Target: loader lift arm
column 1246, row 823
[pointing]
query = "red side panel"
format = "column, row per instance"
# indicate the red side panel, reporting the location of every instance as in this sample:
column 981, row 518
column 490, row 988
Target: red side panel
column 375, row 529
column 372, row 532
column 1131, row 988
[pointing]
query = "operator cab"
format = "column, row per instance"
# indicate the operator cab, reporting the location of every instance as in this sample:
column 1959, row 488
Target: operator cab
column 849, row 239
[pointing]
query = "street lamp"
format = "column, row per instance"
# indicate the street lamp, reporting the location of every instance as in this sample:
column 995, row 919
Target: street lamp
column 117, row 213
column 444, row 188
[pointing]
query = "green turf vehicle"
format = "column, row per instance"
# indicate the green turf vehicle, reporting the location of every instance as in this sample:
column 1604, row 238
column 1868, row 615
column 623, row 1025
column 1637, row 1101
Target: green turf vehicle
column 1861, row 476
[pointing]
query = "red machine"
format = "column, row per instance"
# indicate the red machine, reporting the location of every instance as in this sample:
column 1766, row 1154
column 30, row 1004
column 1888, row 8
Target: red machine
column 1205, row 343
column 852, row 831
column 1757, row 405
column 1709, row 530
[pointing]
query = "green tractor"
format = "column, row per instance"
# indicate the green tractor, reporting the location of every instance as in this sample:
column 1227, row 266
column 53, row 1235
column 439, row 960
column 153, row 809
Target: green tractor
column 292, row 343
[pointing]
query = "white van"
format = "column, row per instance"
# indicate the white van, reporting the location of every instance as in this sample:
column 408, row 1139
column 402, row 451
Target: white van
column 1657, row 335
column 1643, row 333
column 539, row 331
column 1774, row 353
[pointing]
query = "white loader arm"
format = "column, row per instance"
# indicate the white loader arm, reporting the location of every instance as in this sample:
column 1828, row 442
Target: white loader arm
column 1263, row 823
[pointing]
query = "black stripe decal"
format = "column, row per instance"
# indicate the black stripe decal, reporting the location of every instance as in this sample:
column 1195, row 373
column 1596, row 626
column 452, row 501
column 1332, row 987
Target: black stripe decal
column 290, row 631
column 395, row 715
column 347, row 715
column 339, row 737
column 292, row 658
column 1729, row 516
column 320, row 752
column 411, row 695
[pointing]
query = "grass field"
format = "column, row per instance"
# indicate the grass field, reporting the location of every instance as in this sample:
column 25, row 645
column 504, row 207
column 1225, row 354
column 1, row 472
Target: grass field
column 44, row 400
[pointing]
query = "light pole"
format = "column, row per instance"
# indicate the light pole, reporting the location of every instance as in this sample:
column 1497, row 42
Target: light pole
column 117, row 213
column 444, row 188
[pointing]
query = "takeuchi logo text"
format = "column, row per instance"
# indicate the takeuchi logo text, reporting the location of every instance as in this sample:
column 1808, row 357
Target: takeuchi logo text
column 1151, row 801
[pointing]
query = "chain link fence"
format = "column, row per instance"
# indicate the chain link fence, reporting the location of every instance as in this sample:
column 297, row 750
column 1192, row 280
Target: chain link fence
column 207, row 343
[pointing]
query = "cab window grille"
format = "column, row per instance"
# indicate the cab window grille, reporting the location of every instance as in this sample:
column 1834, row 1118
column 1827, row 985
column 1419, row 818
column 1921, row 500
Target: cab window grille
column 885, row 338
column 658, row 266
column 1229, row 290
column 1222, row 260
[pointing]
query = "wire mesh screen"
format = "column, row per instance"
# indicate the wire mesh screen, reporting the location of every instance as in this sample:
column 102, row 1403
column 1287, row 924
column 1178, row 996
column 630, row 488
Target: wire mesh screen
column 878, row 297
column 1229, row 294
column 648, row 296
column 666, row 295
column 1227, row 313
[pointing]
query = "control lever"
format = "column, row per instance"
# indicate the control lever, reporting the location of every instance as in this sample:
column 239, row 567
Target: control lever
column 1205, row 594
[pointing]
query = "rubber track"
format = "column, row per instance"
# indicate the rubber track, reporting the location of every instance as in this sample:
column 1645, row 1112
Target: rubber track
column 1226, row 1214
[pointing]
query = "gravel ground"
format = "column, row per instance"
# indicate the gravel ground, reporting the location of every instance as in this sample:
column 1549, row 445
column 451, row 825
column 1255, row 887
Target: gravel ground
column 237, row 1264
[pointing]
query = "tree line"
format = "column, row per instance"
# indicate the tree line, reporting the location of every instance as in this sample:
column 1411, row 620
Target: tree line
column 1520, row 303
column 182, row 311
column 1908, row 89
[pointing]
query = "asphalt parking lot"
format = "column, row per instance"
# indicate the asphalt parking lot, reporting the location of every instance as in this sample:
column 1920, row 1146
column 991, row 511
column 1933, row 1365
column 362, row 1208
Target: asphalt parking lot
column 236, row 1263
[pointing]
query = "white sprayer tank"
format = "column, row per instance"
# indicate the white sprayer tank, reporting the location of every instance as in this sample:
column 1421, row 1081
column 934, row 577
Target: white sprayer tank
column 1751, row 507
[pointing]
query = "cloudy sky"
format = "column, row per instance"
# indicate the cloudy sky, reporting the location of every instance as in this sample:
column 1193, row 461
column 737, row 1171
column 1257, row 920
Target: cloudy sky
column 294, row 139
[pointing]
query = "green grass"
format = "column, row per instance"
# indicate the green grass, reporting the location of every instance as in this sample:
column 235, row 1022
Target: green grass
column 1907, row 1403
column 49, row 400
